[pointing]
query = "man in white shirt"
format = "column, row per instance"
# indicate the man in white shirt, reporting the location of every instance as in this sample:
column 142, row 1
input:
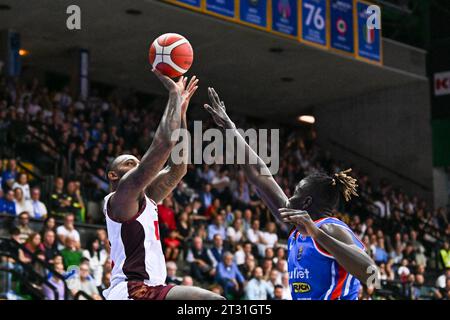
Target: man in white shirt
column 68, row 230
column 257, row 288
column 39, row 209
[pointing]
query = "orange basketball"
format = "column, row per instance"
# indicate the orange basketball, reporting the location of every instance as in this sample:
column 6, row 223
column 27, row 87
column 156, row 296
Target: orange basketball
column 171, row 54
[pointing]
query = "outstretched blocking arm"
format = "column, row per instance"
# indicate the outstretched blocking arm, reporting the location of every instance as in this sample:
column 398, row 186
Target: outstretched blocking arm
column 257, row 174
column 125, row 201
column 171, row 175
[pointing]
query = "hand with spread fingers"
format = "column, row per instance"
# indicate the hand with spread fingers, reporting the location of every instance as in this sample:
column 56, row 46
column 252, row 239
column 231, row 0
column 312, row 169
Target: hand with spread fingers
column 301, row 220
column 218, row 110
column 187, row 91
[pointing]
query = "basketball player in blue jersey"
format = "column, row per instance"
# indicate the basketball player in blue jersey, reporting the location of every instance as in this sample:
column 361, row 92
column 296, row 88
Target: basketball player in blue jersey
column 326, row 261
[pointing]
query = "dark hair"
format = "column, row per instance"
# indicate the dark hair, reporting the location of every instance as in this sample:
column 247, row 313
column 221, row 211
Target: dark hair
column 15, row 231
column 278, row 286
column 329, row 189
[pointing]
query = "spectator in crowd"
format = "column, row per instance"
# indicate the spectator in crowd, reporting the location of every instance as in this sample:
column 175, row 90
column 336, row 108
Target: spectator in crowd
column 7, row 204
column 258, row 288
column 268, row 238
column 9, row 175
column 67, row 230
column 235, row 232
column 420, row 291
column 49, row 246
column 254, row 234
column 172, row 246
column 442, row 279
column 57, row 283
column 215, row 253
column 217, row 227
column 106, row 281
column 286, row 286
column 278, row 292
column 229, row 276
column 21, row 204
column 248, row 268
column 198, row 258
column 70, row 253
column 380, row 254
column 85, row 282
column 96, row 257
column 444, row 254
column 60, row 205
column 206, row 197
column 166, row 217
column 24, row 226
column 39, row 208
column 22, row 183
column 49, row 224
column 32, row 245
column 172, row 273
column 76, row 203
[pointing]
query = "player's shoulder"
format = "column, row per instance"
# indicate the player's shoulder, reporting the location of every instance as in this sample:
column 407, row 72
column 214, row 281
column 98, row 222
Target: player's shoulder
column 338, row 232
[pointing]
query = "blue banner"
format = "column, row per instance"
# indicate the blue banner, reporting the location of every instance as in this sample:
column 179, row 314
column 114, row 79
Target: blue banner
column 222, row 7
column 254, row 12
column 314, row 17
column 194, row 3
column 284, row 17
column 342, row 30
column 369, row 39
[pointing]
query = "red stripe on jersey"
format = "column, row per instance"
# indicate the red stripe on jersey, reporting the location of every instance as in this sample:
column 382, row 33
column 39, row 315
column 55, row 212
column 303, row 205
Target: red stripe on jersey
column 337, row 291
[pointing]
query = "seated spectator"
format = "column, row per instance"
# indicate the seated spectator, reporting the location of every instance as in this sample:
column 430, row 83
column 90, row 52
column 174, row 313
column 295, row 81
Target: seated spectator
column 248, row 268
column 215, row 253
column 49, row 224
column 32, row 244
column 71, row 255
column 278, row 292
column 49, row 246
column 9, row 175
column 380, row 255
column 441, row 281
column 172, row 246
column 213, row 210
column 267, row 267
column 24, row 226
column 268, row 238
column 22, row 183
column 39, row 209
column 235, row 232
column 420, row 291
column 67, row 230
column 7, row 204
column 166, row 217
column 197, row 257
column 229, row 276
column 102, row 237
column 217, row 227
column 274, row 277
column 96, row 259
column 106, row 281
column 86, row 283
column 206, row 197
column 184, row 227
column 60, row 205
column 280, row 254
column 286, row 286
column 253, row 234
column 21, row 204
column 172, row 273
column 258, row 288
column 76, row 205
column 444, row 254
column 57, row 282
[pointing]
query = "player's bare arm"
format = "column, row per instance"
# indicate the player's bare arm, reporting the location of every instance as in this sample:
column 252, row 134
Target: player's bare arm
column 257, row 174
column 171, row 175
column 336, row 240
column 130, row 188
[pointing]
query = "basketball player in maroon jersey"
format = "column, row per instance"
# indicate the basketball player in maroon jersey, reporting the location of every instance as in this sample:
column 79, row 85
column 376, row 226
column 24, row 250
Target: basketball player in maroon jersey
column 139, row 269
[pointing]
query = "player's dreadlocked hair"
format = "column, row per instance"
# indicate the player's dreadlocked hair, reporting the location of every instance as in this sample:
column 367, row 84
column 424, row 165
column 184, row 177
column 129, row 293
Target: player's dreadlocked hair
column 346, row 184
column 327, row 190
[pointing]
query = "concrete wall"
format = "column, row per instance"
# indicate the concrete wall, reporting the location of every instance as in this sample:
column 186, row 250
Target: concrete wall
column 390, row 128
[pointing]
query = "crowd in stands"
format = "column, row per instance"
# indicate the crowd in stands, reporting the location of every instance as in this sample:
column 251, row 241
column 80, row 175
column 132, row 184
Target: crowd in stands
column 215, row 231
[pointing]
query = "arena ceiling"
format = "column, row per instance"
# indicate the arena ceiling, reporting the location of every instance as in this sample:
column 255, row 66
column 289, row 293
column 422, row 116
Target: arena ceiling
column 244, row 65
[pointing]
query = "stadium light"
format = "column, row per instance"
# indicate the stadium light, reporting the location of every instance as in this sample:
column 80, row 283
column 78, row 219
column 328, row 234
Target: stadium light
column 23, row 52
column 307, row 119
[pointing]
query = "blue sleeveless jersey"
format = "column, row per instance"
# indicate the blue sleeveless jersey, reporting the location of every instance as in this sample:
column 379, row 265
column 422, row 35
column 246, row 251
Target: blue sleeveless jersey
column 314, row 274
